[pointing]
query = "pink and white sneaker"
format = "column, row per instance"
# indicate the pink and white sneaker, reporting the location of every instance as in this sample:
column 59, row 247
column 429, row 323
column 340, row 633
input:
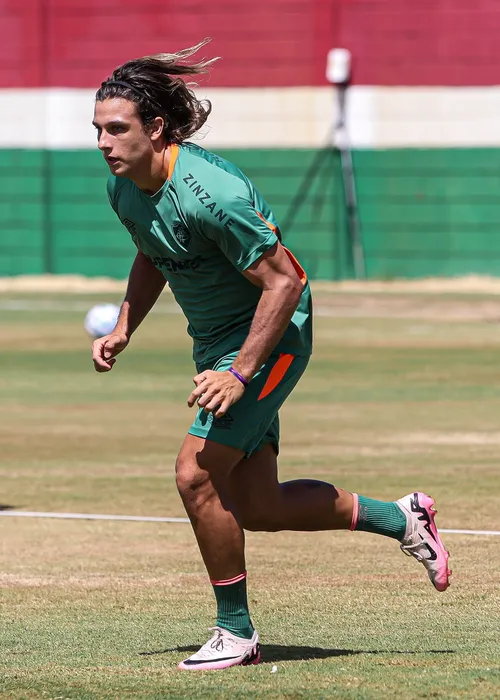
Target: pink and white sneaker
column 422, row 539
column 222, row 651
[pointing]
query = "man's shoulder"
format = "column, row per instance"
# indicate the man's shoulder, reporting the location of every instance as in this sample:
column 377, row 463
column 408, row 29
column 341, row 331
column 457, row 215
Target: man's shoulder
column 207, row 183
column 210, row 171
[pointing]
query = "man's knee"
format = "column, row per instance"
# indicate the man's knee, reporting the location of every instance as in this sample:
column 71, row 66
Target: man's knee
column 193, row 483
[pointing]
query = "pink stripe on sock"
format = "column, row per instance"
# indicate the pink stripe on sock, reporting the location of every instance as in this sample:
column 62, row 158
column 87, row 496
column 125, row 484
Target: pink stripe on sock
column 355, row 510
column 229, row 581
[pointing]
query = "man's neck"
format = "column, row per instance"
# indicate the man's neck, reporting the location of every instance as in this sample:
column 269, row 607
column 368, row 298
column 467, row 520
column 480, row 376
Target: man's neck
column 154, row 180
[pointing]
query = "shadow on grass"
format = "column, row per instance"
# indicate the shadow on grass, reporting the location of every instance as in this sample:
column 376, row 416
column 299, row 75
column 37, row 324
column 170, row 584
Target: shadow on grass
column 5, row 507
column 280, row 652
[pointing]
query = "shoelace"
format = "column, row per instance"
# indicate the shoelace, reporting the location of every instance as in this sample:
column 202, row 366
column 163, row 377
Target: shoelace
column 406, row 547
column 217, row 644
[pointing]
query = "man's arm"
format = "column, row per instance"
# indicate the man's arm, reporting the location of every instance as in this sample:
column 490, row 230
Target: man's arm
column 247, row 237
column 281, row 291
column 145, row 285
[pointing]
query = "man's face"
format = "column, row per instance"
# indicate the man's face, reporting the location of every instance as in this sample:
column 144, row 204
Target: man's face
column 121, row 138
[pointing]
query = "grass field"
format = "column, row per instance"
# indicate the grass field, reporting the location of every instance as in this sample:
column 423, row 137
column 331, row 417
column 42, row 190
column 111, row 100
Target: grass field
column 403, row 393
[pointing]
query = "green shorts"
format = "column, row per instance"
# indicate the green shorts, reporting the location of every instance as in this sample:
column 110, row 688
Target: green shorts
column 253, row 421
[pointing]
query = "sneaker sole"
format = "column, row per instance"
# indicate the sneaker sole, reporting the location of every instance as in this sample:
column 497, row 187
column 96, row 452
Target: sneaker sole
column 218, row 665
column 428, row 503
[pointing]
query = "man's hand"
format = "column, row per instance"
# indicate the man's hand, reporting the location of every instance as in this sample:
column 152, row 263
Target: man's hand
column 105, row 349
column 216, row 391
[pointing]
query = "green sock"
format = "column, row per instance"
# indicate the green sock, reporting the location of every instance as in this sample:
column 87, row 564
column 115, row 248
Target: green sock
column 232, row 607
column 380, row 517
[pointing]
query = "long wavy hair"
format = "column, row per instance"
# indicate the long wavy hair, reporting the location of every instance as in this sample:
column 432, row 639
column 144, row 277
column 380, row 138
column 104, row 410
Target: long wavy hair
column 149, row 83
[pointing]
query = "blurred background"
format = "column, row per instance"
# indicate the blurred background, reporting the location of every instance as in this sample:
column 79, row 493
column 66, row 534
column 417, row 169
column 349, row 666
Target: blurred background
column 421, row 117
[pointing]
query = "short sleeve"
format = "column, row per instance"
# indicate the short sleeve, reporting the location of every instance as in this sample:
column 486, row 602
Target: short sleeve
column 238, row 229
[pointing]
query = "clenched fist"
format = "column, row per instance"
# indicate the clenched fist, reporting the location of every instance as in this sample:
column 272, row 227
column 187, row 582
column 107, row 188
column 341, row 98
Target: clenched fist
column 105, row 350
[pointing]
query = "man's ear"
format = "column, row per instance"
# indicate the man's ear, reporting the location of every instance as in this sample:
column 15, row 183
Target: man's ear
column 155, row 128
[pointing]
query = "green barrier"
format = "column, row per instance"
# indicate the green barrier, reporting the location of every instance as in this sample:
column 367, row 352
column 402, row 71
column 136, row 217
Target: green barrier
column 433, row 212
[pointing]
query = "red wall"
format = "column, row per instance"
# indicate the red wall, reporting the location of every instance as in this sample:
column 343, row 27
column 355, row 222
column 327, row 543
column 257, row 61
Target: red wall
column 77, row 43
column 422, row 42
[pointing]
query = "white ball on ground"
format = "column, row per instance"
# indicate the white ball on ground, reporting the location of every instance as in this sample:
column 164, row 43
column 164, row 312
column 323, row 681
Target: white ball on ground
column 101, row 319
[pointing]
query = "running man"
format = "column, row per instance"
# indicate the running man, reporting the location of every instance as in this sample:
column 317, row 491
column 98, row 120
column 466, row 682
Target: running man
column 200, row 225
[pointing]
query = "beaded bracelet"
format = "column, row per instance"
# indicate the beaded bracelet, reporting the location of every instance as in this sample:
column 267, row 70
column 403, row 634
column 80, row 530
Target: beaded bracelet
column 238, row 376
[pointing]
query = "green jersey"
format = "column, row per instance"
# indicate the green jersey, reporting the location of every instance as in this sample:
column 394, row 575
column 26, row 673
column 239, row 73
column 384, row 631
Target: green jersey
column 202, row 229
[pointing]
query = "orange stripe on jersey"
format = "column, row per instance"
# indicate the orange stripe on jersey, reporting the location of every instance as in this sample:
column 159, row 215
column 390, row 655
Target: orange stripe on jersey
column 174, row 154
column 276, row 375
column 273, row 228
column 296, row 266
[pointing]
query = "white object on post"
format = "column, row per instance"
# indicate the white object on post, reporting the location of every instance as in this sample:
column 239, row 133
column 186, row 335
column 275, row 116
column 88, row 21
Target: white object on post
column 338, row 66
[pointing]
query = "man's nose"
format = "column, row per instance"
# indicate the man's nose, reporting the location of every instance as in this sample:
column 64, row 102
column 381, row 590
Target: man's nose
column 102, row 143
